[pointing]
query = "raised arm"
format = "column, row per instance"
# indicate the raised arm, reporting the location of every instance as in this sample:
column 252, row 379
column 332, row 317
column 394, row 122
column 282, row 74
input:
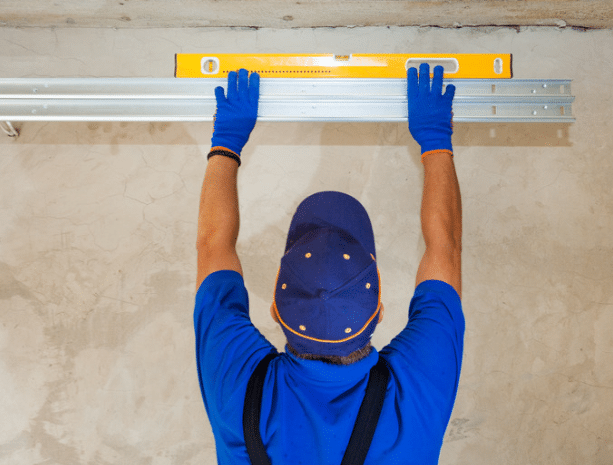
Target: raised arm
column 430, row 114
column 441, row 223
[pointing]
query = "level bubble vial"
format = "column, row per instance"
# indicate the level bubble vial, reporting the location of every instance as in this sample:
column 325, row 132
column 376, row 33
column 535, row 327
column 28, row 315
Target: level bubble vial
column 209, row 65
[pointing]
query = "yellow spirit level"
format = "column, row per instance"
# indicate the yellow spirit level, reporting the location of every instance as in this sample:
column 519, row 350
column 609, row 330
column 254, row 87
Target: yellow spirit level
column 391, row 65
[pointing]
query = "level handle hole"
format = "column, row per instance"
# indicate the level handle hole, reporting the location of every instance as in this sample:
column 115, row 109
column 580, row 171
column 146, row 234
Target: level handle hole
column 451, row 65
column 498, row 68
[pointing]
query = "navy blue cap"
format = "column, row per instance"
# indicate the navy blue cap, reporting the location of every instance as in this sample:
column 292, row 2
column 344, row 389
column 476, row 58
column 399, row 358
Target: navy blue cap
column 328, row 288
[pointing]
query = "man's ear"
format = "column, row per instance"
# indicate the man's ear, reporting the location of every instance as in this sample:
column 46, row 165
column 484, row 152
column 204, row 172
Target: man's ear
column 273, row 314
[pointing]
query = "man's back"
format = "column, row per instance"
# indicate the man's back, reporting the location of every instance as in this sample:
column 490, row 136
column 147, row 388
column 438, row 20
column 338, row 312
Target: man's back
column 309, row 407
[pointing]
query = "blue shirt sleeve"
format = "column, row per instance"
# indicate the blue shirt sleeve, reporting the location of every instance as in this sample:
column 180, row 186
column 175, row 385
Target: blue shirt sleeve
column 228, row 348
column 427, row 355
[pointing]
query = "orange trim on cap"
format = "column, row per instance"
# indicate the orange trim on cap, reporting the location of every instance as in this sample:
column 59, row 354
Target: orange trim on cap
column 274, row 303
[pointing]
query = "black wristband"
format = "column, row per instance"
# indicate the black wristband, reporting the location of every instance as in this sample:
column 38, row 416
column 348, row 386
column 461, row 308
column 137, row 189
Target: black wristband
column 225, row 153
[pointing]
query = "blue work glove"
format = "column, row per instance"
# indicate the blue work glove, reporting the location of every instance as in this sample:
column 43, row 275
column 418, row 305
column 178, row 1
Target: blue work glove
column 236, row 115
column 430, row 112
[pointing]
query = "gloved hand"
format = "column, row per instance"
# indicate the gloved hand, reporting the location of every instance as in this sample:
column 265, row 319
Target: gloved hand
column 236, row 116
column 430, row 112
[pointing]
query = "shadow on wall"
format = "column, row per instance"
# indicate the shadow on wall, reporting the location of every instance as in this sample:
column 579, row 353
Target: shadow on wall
column 331, row 134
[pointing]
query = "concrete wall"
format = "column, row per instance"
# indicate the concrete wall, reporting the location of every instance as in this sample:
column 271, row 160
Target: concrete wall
column 282, row 14
column 98, row 259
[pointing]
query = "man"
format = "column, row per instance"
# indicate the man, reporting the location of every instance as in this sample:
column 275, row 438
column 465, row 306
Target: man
column 327, row 300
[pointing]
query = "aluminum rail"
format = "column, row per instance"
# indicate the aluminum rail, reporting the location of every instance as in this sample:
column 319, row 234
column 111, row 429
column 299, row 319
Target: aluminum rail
column 295, row 99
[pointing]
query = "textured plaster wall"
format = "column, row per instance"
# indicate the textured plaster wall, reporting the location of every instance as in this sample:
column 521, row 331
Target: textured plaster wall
column 288, row 14
column 98, row 231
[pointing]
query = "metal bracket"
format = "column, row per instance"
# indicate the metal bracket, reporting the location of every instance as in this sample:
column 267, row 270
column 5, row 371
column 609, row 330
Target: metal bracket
column 11, row 131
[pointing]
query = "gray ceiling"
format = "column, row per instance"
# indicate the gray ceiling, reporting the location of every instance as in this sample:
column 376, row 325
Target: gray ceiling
column 283, row 14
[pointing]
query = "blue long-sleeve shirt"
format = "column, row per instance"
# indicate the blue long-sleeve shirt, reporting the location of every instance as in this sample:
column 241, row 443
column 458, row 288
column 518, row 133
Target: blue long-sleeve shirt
column 309, row 407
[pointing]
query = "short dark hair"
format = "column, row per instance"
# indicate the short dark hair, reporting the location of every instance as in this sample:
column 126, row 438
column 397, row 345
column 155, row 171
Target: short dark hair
column 336, row 359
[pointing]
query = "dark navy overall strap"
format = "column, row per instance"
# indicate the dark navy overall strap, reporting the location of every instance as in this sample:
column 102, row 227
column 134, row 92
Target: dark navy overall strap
column 251, row 414
column 363, row 431
column 368, row 416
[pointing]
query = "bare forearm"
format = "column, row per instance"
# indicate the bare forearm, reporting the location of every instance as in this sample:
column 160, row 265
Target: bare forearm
column 441, row 208
column 218, row 219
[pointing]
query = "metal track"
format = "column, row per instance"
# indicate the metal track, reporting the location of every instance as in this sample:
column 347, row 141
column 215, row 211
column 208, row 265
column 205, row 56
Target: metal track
column 295, row 99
